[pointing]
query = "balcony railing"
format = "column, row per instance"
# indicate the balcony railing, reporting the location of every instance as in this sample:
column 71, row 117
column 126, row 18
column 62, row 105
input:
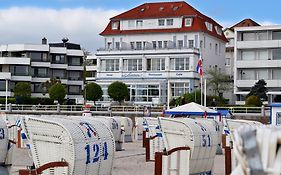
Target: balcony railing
column 146, row 48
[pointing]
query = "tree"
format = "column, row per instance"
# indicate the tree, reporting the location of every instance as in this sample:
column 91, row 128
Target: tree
column 47, row 84
column 57, row 92
column 218, row 81
column 259, row 90
column 118, row 91
column 22, row 89
column 253, row 101
column 93, row 92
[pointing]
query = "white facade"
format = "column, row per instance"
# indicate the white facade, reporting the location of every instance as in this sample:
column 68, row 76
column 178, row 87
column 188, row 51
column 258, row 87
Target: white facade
column 155, row 54
column 257, row 56
column 37, row 64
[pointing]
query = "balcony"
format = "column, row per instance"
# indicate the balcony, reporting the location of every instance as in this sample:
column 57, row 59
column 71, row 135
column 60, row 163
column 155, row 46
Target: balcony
column 91, row 68
column 258, row 63
column 250, row 83
column 15, row 60
column 147, row 50
column 258, row 44
column 5, row 75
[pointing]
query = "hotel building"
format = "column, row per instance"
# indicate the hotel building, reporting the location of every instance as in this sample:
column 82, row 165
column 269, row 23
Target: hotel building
column 154, row 48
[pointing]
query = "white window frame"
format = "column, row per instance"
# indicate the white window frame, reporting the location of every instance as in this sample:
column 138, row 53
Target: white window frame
column 188, row 22
column 114, row 25
column 161, row 22
column 170, row 22
column 139, row 23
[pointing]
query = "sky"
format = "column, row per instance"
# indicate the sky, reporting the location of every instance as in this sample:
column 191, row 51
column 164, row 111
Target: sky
column 27, row 21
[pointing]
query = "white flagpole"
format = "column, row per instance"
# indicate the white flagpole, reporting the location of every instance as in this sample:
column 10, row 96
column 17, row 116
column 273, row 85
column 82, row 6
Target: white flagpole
column 201, row 82
column 205, row 92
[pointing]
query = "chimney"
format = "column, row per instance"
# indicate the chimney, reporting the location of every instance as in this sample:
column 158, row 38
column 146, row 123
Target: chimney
column 44, row 41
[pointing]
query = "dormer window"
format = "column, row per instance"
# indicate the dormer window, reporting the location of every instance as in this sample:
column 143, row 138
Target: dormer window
column 218, row 30
column 161, row 22
column 115, row 25
column 139, row 23
column 209, row 26
column 188, row 22
column 170, row 22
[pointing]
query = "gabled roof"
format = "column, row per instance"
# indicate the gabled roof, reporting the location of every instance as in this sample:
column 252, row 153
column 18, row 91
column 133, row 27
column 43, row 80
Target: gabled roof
column 165, row 10
column 245, row 23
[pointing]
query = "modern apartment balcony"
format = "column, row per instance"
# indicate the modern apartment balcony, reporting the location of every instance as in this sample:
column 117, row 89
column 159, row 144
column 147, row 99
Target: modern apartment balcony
column 91, row 78
column 258, row 44
column 5, row 75
column 21, row 78
column 76, row 67
column 91, row 68
column 258, row 63
column 250, row 83
column 22, row 47
column 40, row 79
column 149, row 50
column 58, row 66
column 40, row 64
column 15, row 60
column 73, row 52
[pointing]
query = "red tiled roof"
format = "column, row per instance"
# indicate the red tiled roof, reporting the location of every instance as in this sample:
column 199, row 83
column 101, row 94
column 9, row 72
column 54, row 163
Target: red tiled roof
column 164, row 10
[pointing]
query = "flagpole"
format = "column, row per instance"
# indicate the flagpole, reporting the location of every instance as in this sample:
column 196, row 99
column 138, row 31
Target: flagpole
column 201, row 82
column 205, row 92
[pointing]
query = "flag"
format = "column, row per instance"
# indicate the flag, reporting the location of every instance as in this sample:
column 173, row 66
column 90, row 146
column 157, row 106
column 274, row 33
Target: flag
column 199, row 66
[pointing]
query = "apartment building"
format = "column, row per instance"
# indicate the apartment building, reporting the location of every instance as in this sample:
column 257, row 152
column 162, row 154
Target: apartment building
column 37, row 63
column 229, row 52
column 257, row 52
column 154, row 48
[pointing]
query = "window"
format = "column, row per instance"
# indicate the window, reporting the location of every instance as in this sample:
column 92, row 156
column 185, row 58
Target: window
column 209, row 26
column 155, row 64
column 154, row 44
column 117, row 45
column 132, row 64
column 227, row 62
column 165, row 44
column 276, row 74
column 248, row 55
column 210, row 46
column 59, row 73
column 131, row 23
column 39, row 72
column 218, row 30
column 188, row 22
column 190, row 43
column 58, row 59
column 262, row 74
column 139, row 45
column 19, row 70
column 110, row 65
column 179, row 63
column 216, row 49
column 160, row 44
column 248, row 36
column 139, row 23
column 132, row 45
column 115, row 25
column 109, row 45
column 262, row 35
column 262, row 55
column 276, row 54
column 276, row 35
column 179, row 88
column 75, row 61
column 74, row 75
column 161, row 22
column 74, row 90
column 142, row 93
column 36, row 88
column 180, row 43
column 38, row 56
column 247, row 74
column 170, row 22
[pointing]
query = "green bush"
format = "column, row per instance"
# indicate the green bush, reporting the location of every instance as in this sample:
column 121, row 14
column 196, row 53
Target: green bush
column 93, row 92
column 253, row 101
column 22, row 89
column 10, row 100
column 118, row 91
column 57, row 92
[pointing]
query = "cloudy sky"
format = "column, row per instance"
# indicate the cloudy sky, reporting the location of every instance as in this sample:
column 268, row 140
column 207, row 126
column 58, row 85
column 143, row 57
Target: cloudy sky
column 27, row 21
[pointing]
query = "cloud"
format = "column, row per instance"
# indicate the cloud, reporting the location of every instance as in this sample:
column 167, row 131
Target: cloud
column 29, row 25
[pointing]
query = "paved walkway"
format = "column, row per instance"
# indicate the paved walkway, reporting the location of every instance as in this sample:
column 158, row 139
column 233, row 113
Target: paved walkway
column 131, row 161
